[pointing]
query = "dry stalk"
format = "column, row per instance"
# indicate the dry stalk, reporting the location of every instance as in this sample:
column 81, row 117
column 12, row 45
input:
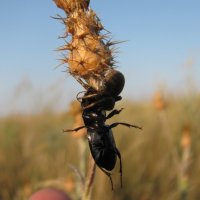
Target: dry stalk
column 160, row 105
column 181, row 164
column 185, row 162
column 89, row 180
column 84, row 187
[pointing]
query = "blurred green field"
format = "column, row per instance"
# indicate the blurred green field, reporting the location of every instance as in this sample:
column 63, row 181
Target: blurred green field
column 35, row 153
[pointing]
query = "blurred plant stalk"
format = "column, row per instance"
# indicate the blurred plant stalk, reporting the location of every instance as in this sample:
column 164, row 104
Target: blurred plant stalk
column 89, row 180
column 160, row 105
column 84, row 186
column 181, row 164
column 185, row 163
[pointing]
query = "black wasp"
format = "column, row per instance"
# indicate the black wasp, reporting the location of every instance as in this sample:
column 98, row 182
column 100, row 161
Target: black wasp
column 100, row 97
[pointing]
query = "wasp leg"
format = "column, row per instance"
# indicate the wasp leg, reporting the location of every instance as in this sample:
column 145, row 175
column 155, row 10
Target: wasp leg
column 93, row 104
column 114, row 112
column 76, row 129
column 120, row 162
column 109, row 105
column 80, row 98
column 86, row 96
column 109, row 175
column 124, row 124
column 99, row 99
column 118, row 98
column 81, row 82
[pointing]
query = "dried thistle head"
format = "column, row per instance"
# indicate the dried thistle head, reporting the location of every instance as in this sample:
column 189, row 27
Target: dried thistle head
column 159, row 101
column 70, row 5
column 69, row 184
column 186, row 137
column 88, row 51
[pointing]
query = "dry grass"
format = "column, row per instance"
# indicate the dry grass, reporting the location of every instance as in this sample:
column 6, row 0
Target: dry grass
column 34, row 152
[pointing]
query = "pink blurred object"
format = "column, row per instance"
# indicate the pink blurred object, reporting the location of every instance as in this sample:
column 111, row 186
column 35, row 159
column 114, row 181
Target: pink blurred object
column 49, row 194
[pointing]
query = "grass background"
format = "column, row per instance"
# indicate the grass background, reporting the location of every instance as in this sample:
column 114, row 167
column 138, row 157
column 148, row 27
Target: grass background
column 35, row 153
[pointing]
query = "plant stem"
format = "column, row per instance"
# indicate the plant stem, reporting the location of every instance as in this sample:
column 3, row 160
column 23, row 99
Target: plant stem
column 89, row 180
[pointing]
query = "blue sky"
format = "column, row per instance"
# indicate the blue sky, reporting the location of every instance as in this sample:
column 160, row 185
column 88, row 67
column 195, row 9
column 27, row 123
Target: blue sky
column 162, row 37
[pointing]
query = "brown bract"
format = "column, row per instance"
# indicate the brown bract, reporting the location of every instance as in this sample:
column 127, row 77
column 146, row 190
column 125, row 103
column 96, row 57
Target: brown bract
column 70, row 5
column 159, row 101
column 88, row 53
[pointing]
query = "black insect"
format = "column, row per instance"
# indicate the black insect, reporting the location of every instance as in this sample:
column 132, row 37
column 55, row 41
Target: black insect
column 102, row 91
column 95, row 103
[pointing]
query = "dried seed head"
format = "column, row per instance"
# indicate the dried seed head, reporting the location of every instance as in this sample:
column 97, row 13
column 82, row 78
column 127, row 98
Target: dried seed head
column 69, row 184
column 186, row 137
column 88, row 51
column 159, row 101
column 89, row 56
column 70, row 6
